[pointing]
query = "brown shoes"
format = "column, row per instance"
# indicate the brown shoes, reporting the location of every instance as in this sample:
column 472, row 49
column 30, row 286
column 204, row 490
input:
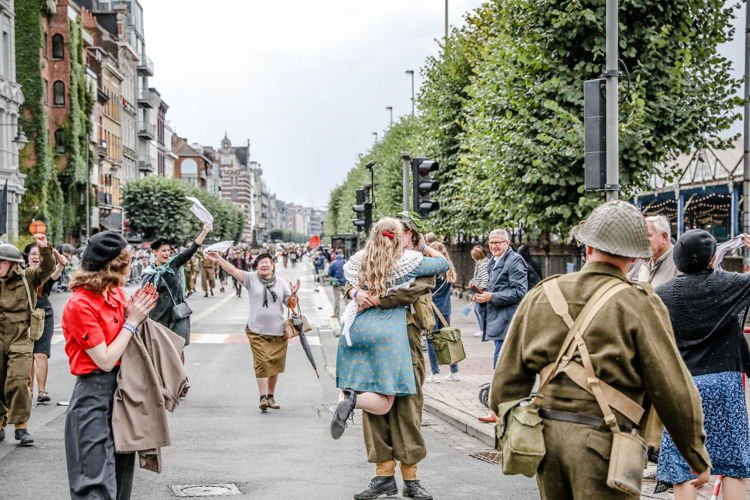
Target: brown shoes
column 272, row 402
column 263, row 403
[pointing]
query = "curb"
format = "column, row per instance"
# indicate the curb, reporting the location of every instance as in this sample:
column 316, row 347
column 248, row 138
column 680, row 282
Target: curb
column 460, row 420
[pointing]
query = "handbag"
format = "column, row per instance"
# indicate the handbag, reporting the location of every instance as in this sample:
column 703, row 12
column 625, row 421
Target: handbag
column 519, row 429
column 181, row 310
column 296, row 322
column 449, row 348
column 36, row 327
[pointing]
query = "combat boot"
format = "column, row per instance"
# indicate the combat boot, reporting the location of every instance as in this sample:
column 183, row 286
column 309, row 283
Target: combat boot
column 413, row 489
column 379, row 486
column 24, row 437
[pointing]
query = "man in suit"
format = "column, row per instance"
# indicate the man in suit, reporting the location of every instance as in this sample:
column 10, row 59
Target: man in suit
column 506, row 287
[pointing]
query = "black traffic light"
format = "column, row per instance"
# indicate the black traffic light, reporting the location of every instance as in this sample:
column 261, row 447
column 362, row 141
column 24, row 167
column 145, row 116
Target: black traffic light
column 423, row 186
column 595, row 134
column 363, row 210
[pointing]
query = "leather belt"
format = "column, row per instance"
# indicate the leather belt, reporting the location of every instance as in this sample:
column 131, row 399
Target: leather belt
column 578, row 418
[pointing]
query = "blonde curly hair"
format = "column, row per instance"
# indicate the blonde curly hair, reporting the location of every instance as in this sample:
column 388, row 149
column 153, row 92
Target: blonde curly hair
column 380, row 255
column 450, row 274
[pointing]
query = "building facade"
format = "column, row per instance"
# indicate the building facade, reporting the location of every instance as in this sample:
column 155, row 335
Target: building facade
column 238, row 182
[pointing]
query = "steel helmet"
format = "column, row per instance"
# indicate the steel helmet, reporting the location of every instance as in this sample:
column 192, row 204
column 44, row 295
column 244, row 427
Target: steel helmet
column 11, row 253
column 616, row 227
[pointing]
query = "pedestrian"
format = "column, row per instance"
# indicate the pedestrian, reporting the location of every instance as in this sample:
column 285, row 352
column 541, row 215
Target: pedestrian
column 240, row 263
column 319, row 265
column 632, row 351
column 293, row 256
column 208, row 276
column 285, row 257
column 660, row 267
column 534, row 272
column 98, row 322
column 441, row 297
column 190, row 268
column 337, row 281
column 268, row 296
column 703, row 306
column 506, row 286
column 478, row 283
column 166, row 273
column 372, row 379
column 17, row 288
column 43, row 345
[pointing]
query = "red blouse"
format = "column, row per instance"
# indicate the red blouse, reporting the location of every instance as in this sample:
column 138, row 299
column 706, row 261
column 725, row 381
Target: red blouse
column 88, row 320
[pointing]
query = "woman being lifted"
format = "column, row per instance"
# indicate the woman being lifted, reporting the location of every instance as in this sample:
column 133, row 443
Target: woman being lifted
column 373, row 363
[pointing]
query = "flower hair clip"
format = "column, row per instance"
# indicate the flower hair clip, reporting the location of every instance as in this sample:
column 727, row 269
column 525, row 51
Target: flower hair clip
column 389, row 234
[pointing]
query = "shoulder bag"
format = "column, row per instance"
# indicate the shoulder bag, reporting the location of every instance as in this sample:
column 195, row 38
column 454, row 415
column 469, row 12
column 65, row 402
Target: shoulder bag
column 296, row 322
column 181, row 310
column 448, row 345
column 519, row 428
column 36, row 328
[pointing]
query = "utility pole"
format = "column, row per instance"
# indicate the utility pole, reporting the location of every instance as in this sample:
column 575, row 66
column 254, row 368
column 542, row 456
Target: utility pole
column 411, row 72
column 406, row 160
column 88, row 189
column 746, row 133
column 390, row 110
column 611, row 73
column 446, row 21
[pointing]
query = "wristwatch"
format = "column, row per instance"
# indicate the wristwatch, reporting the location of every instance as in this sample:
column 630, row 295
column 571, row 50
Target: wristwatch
column 130, row 328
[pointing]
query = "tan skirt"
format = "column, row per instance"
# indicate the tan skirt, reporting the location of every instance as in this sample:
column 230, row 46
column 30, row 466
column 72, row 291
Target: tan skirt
column 269, row 353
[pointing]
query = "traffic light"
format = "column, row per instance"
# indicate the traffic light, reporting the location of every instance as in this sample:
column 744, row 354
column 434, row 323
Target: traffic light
column 363, row 210
column 423, row 186
column 595, row 134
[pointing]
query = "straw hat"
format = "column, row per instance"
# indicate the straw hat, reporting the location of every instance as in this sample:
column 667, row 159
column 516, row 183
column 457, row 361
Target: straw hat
column 616, row 227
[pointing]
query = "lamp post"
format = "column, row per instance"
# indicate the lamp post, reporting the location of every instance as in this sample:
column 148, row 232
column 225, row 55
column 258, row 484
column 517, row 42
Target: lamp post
column 376, row 136
column 410, row 72
column 390, row 110
column 88, row 187
column 446, row 21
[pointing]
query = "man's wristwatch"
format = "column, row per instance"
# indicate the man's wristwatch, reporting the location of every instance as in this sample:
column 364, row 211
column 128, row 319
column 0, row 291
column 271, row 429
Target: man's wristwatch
column 130, row 328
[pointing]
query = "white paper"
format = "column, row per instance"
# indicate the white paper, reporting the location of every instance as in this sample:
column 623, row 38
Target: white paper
column 200, row 211
column 220, row 247
column 726, row 247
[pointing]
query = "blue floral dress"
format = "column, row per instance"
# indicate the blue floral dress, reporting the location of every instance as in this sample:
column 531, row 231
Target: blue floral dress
column 379, row 359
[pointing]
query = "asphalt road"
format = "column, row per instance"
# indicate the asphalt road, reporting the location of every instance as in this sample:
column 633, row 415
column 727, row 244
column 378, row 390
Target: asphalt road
column 220, row 437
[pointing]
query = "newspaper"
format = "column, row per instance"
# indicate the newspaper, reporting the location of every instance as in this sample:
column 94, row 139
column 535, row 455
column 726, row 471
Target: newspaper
column 200, row 211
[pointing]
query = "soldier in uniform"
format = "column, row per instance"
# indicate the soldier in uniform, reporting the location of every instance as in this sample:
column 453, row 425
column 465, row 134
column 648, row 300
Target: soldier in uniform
column 208, row 276
column 15, row 319
column 191, row 271
column 397, row 435
column 631, row 347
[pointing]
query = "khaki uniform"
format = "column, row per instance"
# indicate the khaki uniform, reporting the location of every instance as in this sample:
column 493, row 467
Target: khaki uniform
column 191, row 268
column 632, row 349
column 17, row 347
column 397, row 435
column 208, row 275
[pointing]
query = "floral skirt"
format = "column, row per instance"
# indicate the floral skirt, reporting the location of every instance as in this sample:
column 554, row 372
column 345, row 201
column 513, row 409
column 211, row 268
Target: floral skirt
column 726, row 426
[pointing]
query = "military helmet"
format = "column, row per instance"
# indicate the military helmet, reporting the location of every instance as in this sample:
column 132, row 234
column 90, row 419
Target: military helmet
column 11, row 253
column 616, row 227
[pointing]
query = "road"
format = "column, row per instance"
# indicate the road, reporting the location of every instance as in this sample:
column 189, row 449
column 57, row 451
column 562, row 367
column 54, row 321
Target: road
column 221, row 438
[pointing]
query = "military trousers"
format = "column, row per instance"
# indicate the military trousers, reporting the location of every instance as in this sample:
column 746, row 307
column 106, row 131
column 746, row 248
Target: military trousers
column 397, row 435
column 15, row 372
column 208, row 280
column 190, row 285
column 576, row 463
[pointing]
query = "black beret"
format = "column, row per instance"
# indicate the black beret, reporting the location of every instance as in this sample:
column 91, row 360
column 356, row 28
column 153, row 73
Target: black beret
column 693, row 251
column 158, row 242
column 261, row 256
column 102, row 248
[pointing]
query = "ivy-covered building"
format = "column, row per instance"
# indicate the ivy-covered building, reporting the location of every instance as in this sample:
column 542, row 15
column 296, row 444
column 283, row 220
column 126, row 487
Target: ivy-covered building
column 12, row 137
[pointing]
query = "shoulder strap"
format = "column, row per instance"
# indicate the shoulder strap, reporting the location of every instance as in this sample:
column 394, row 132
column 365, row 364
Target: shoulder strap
column 440, row 315
column 28, row 291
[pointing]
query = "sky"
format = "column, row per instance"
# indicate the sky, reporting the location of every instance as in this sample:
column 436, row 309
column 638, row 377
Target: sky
column 307, row 82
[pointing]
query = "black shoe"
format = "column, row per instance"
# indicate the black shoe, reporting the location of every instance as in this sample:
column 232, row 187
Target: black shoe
column 341, row 414
column 43, row 397
column 221, row 289
column 24, row 437
column 379, row 486
column 189, row 294
column 413, row 489
column 2, row 434
column 212, row 293
column 205, row 294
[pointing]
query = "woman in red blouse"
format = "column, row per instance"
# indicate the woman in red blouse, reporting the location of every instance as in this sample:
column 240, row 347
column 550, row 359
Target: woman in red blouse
column 97, row 324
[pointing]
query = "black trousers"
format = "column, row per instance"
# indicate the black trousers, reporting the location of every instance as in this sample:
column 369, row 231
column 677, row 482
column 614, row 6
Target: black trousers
column 95, row 471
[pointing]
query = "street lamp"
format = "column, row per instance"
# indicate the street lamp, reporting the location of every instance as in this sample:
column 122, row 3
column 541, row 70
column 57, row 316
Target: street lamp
column 21, row 138
column 411, row 73
column 376, row 136
column 390, row 110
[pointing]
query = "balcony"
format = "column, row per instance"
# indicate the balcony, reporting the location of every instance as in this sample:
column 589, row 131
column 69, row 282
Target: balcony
column 145, row 66
column 144, row 99
column 145, row 166
column 145, row 130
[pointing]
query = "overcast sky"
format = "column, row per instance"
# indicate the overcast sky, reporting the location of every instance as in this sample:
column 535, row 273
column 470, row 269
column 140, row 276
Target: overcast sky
column 307, row 82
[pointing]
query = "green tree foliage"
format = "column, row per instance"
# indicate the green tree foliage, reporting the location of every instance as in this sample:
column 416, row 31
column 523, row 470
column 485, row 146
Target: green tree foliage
column 287, row 235
column 501, row 108
column 157, row 207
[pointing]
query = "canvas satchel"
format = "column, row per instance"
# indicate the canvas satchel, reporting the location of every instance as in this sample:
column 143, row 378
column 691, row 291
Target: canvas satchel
column 519, row 429
column 36, row 328
column 449, row 348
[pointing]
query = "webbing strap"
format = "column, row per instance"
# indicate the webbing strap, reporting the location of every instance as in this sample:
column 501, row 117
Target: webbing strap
column 557, row 301
column 440, row 315
column 28, row 291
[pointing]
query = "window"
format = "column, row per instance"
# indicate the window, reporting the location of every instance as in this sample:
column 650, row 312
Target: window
column 46, row 42
column 58, row 49
column 59, row 144
column 189, row 167
column 45, row 97
column 234, row 195
column 59, row 94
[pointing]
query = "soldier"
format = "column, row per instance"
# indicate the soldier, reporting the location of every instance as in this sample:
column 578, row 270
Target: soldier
column 191, row 270
column 208, row 276
column 631, row 348
column 397, row 435
column 15, row 319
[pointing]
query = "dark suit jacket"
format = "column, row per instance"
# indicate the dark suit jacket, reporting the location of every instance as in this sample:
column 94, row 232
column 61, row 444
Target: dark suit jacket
column 508, row 284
